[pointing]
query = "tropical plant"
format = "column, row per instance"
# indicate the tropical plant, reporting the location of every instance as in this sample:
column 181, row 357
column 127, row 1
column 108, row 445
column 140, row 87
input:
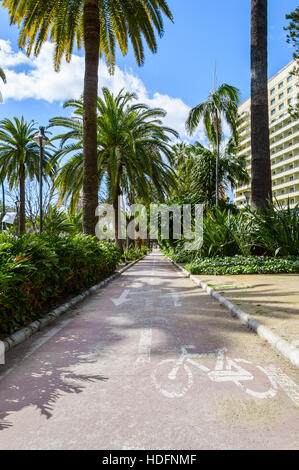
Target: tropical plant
column 276, row 229
column 182, row 160
column 131, row 144
column 37, row 272
column 3, row 78
column 223, row 102
column 19, row 157
column 244, row 265
column 261, row 184
column 98, row 25
column 202, row 171
column 57, row 222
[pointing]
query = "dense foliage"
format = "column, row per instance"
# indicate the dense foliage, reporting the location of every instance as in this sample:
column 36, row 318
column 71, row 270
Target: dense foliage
column 132, row 254
column 228, row 233
column 244, row 265
column 37, row 272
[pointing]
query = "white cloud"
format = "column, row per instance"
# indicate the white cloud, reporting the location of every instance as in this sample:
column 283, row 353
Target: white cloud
column 38, row 80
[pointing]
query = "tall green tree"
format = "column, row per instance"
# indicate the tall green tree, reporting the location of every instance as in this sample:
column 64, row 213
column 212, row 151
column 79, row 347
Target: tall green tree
column 133, row 147
column 293, row 38
column 3, row 78
column 223, row 102
column 231, row 171
column 261, row 183
column 195, row 167
column 19, row 157
column 98, row 25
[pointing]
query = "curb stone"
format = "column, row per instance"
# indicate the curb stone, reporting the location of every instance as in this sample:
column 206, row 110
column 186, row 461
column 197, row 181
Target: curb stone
column 24, row 333
column 282, row 346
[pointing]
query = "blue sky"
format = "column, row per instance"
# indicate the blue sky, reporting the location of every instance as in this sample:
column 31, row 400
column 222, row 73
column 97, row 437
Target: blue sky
column 178, row 77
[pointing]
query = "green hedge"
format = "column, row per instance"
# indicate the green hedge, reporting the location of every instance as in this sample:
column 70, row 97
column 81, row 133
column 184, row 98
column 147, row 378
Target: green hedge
column 133, row 254
column 37, row 272
column 244, row 265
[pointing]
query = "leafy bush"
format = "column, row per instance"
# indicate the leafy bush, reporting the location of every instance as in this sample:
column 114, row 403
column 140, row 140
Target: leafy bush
column 132, row 254
column 244, row 265
column 37, row 272
column 273, row 232
column 277, row 230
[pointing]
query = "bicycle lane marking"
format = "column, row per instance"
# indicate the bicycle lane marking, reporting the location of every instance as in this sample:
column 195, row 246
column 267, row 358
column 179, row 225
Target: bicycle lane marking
column 287, row 384
column 275, row 375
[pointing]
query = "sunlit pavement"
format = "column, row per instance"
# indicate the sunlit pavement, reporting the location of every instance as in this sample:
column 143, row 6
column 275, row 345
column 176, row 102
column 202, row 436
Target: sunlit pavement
column 149, row 362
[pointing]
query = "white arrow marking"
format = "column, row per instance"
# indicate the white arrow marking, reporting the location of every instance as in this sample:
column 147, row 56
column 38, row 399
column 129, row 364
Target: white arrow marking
column 122, row 298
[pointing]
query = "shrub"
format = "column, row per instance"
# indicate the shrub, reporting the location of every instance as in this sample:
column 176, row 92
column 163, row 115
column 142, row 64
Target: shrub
column 36, row 272
column 244, row 265
column 277, row 230
column 132, row 254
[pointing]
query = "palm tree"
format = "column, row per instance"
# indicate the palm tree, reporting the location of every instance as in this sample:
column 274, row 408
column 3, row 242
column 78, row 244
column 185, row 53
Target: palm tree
column 231, row 170
column 261, row 184
column 131, row 142
column 19, row 157
column 222, row 102
column 98, row 25
column 3, row 77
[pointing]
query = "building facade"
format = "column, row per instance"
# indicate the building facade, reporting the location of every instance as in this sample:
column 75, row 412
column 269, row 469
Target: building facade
column 284, row 140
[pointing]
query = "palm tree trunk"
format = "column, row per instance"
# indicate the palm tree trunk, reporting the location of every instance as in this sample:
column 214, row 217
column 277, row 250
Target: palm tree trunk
column 90, row 95
column 22, row 216
column 217, row 167
column 118, row 241
column 261, row 185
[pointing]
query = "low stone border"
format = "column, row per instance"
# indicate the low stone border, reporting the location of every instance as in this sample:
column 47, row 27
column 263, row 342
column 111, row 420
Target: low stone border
column 279, row 344
column 21, row 335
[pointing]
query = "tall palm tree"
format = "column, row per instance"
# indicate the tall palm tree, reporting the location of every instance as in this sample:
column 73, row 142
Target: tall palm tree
column 261, row 184
column 19, row 157
column 3, row 78
column 222, row 102
column 98, row 25
column 131, row 144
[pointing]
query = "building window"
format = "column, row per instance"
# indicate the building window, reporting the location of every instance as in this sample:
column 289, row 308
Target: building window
column 291, row 178
column 273, row 111
column 281, row 106
column 290, row 78
column 290, row 89
column 272, row 102
column 272, row 91
column 280, row 85
column 290, row 100
column 292, row 201
column 281, row 96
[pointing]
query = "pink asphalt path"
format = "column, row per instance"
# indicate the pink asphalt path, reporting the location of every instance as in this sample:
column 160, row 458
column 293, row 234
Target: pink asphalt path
column 108, row 375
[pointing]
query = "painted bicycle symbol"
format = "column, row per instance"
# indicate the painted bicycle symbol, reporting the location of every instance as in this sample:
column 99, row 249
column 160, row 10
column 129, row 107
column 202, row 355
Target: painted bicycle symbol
column 173, row 378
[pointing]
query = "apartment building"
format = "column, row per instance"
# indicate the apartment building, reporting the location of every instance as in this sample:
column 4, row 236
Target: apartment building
column 284, row 140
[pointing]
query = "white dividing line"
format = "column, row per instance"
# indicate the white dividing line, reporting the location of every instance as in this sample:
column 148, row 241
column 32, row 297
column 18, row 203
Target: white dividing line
column 175, row 297
column 38, row 343
column 144, row 348
column 287, row 384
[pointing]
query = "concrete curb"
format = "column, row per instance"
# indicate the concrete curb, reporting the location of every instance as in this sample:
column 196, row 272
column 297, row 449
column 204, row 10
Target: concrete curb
column 21, row 335
column 279, row 344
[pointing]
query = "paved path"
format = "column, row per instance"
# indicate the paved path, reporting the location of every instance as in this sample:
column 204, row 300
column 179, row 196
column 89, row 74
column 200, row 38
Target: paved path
column 149, row 362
